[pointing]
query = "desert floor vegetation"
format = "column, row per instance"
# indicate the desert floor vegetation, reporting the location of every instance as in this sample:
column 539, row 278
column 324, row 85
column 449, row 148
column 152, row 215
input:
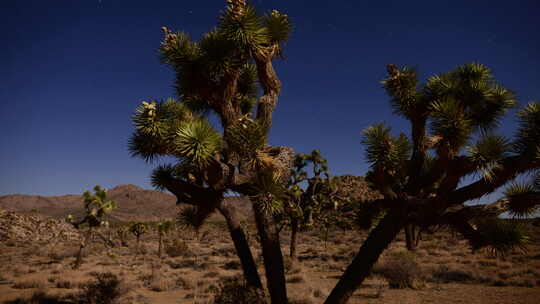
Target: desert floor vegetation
column 204, row 269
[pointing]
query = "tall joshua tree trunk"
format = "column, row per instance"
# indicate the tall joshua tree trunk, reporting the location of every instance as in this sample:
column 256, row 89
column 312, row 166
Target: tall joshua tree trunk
column 377, row 241
column 410, row 237
column 294, row 232
column 273, row 258
column 160, row 244
column 84, row 241
column 241, row 245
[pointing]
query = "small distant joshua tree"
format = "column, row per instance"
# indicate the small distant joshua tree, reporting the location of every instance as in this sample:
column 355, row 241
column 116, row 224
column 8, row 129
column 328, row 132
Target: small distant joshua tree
column 96, row 207
column 163, row 228
column 306, row 206
column 138, row 229
column 122, row 233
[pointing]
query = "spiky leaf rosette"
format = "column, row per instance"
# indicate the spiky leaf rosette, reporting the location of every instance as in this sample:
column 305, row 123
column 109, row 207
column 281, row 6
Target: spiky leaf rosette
column 472, row 88
column 247, row 139
column 197, row 142
column 163, row 175
column 523, row 198
column 528, row 134
column 449, row 122
column 367, row 214
column 156, row 126
column 401, row 85
column 487, row 153
column 387, row 154
column 192, row 217
column 217, row 59
column 278, row 28
column 242, row 25
column 269, row 192
column 502, row 236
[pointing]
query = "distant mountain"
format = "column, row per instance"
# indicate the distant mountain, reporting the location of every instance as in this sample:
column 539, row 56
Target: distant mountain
column 135, row 204
column 139, row 204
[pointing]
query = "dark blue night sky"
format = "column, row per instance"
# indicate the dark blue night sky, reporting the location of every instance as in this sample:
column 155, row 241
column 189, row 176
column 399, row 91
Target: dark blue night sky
column 74, row 71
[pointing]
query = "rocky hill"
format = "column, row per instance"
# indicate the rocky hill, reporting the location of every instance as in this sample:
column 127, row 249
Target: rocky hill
column 139, row 204
column 134, row 204
column 20, row 227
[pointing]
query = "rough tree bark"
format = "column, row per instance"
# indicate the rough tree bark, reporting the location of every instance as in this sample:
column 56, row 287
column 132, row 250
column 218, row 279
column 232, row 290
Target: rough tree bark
column 410, row 237
column 241, row 244
column 273, row 257
column 84, row 241
column 294, row 232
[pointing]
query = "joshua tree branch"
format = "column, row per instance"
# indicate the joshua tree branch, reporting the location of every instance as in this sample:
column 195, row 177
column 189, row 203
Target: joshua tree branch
column 271, row 87
column 510, row 168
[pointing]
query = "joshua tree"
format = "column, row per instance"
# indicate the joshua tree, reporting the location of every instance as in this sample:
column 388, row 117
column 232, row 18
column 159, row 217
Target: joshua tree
column 221, row 74
column 138, row 229
column 424, row 179
column 96, row 206
column 312, row 203
column 122, row 233
column 163, row 228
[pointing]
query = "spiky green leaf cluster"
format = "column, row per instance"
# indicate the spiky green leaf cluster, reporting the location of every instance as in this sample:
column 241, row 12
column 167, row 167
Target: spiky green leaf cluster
column 502, row 236
column 198, row 142
column 277, row 26
column 462, row 102
column 192, row 217
column 247, row 138
column 245, row 28
column 367, row 214
column 178, row 48
column 401, row 85
column 385, row 152
column 156, row 125
column 487, row 152
column 269, row 192
column 523, row 198
column 528, row 135
column 472, row 85
column 450, row 123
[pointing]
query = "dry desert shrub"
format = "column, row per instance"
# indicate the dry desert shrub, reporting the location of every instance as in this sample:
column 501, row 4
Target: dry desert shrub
column 443, row 274
column 65, row 284
column 232, row 265
column 177, row 248
column 232, row 290
column 105, row 289
column 296, row 279
column 40, row 297
column 400, row 270
column 26, row 284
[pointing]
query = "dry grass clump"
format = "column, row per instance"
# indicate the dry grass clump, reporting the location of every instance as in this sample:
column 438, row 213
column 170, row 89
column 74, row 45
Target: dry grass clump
column 443, row 274
column 400, row 270
column 232, row 290
column 177, row 248
column 58, row 254
column 65, row 284
column 26, row 284
column 105, row 289
column 39, row 297
column 296, row 279
column 232, row 265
